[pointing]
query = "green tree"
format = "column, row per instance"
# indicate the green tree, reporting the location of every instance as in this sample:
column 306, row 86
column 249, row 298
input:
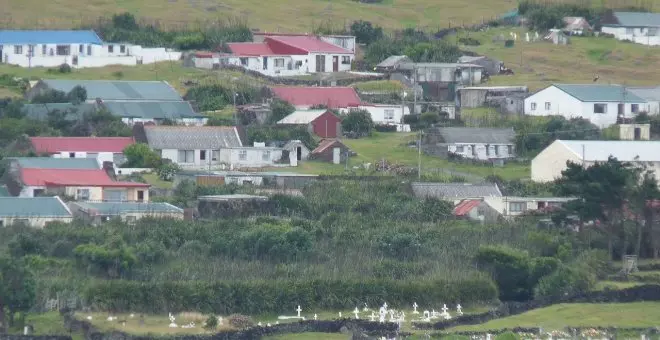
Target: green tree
column 510, row 269
column 17, row 290
column 358, row 123
column 365, row 32
column 77, row 95
column 50, row 96
column 280, row 109
column 140, row 155
column 113, row 258
column 640, row 203
column 433, row 52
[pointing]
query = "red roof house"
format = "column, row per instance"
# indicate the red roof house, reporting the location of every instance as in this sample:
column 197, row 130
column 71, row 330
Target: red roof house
column 322, row 123
column 55, row 145
column 304, row 97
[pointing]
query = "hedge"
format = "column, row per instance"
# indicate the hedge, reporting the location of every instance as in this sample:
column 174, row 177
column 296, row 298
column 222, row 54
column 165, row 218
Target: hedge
column 226, row 297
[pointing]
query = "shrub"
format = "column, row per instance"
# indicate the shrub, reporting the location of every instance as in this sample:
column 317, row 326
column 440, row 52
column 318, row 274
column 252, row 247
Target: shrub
column 240, row 321
column 357, row 123
column 565, row 281
column 385, row 128
column 211, row 323
column 167, row 171
column 510, row 269
column 469, row 41
column 64, row 68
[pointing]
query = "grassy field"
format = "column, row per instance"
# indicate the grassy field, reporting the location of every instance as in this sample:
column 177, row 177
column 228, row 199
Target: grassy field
column 48, row 324
column 310, row 336
column 538, row 64
column 638, row 314
column 153, row 324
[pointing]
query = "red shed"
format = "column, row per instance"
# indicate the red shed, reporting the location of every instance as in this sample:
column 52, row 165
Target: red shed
column 322, row 123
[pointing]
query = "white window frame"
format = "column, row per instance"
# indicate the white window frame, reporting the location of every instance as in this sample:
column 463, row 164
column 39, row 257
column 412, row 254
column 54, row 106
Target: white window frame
column 460, row 148
column 346, row 60
column 548, row 106
column 630, row 31
column 215, row 155
column 389, row 114
column 603, row 105
column 242, row 155
column 520, row 207
column 532, row 106
column 82, row 194
column 265, row 156
column 279, row 62
column 188, row 156
column 18, row 49
column 634, row 108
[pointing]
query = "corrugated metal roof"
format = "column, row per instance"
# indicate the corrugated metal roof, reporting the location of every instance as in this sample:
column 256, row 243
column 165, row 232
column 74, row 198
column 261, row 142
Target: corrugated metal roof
column 192, row 137
column 118, row 89
column 27, row 207
column 332, row 97
column 80, row 144
column 476, row 135
column 646, row 93
column 625, row 151
column 392, row 61
column 74, row 112
column 463, row 208
column 250, row 49
column 152, row 110
column 221, row 198
column 56, row 163
column 637, row 19
column 311, row 44
column 25, row 37
column 73, row 177
column 600, row 93
column 455, row 190
column 4, row 192
column 301, row 117
column 118, row 208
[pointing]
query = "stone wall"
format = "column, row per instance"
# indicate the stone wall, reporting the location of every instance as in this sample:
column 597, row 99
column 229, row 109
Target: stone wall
column 302, row 82
column 33, row 337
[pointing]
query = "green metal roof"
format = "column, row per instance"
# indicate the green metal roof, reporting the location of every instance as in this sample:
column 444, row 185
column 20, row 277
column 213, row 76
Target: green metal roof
column 4, row 192
column 152, row 110
column 56, row 163
column 40, row 111
column 33, row 207
column 636, row 19
column 118, row 90
column 117, row 208
column 600, row 93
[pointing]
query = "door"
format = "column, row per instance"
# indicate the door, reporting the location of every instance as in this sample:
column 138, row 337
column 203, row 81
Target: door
column 265, row 59
column 336, row 155
column 320, row 63
column 335, row 63
column 299, row 153
column 620, row 110
column 2, row 56
column 140, row 196
column 638, row 133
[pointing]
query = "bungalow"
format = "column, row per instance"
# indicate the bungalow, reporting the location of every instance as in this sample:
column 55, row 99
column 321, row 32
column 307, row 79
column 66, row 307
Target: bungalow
column 651, row 95
column 331, row 150
column 306, row 97
column 99, row 212
column 132, row 101
column 476, row 209
column 511, row 206
column 344, row 41
column 641, row 28
column 385, row 114
column 77, row 48
column 284, row 55
column 603, row 105
column 455, row 192
column 35, row 212
column 205, row 147
column 576, row 25
column 104, row 149
column 472, row 143
column 549, row 163
column 322, row 123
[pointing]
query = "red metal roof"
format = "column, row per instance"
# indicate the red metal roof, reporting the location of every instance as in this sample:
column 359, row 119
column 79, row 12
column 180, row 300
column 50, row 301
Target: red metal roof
column 73, row 178
column 332, row 97
column 309, row 44
column 326, row 143
column 463, row 208
column 250, row 49
column 52, row 145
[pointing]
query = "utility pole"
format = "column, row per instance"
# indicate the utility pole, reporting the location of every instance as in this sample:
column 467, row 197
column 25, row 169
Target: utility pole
column 419, row 155
column 235, row 113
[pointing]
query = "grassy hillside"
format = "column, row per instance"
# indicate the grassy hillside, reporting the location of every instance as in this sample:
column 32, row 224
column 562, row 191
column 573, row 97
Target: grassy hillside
column 538, row 64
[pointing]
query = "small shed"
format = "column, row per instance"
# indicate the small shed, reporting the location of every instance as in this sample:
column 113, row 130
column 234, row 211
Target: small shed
column 297, row 148
column 576, row 25
column 323, row 123
column 331, row 150
column 477, row 96
column 392, row 63
column 557, row 37
column 490, row 65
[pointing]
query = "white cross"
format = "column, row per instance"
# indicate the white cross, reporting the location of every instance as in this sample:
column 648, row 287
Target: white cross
column 356, row 312
column 299, row 310
column 415, row 308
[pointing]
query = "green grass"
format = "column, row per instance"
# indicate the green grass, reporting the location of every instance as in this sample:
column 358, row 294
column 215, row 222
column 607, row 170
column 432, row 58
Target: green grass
column 153, row 324
column 379, row 85
column 309, row 336
column 638, row 314
column 155, row 181
column 615, row 285
column 538, row 64
column 50, row 323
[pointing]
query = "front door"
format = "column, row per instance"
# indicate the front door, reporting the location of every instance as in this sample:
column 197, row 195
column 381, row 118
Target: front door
column 620, row 110
column 335, row 63
column 320, row 63
column 265, row 63
column 140, row 196
column 638, row 133
column 299, row 153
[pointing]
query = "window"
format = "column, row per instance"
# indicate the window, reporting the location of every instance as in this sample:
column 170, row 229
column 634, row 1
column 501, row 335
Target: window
column 265, row 156
column 81, row 48
column 600, row 108
column 509, row 150
column 533, row 106
column 89, row 49
column 82, row 194
column 111, row 48
column 634, row 108
column 279, row 62
column 517, row 207
column 43, row 49
column 2, row 223
column 242, row 155
column 186, row 156
column 23, row 221
column 244, row 61
column 547, row 105
column 389, row 114
column 31, row 50
column 652, row 31
column 487, row 150
column 140, row 195
column 202, row 155
column 215, row 154
column 38, row 192
column 346, row 60
column 63, row 49
column 18, row 49
column 122, row 48
column 72, row 155
column 474, row 150
column 629, row 31
column 497, row 150
column 459, row 148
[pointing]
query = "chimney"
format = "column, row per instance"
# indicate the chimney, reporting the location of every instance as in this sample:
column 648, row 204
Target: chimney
column 138, row 133
column 109, row 168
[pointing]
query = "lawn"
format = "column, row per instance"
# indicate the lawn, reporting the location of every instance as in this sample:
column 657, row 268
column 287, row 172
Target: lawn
column 156, row 182
column 153, row 324
column 379, row 86
column 310, row 336
column 50, row 323
column 638, row 314
column 538, row 64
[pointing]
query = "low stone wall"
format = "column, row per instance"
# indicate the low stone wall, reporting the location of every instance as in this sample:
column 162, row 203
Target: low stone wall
column 34, row 337
column 302, row 82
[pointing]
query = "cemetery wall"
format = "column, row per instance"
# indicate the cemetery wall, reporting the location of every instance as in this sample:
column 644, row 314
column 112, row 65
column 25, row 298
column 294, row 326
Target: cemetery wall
column 633, row 294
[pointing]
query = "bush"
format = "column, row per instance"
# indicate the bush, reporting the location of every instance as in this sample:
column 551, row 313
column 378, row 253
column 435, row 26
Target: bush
column 468, row 41
column 357, row 123
column 565, row 281
column 211, row 323
column 167, row 171
column 510, row 269
column 385, row 128
column 240, row 321
column 64, row 68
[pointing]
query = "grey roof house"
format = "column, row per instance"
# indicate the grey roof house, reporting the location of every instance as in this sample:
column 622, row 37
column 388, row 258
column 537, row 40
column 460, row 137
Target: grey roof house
column 651, row 95
column 638, row 27
column 157, row 111
column 455, row 191
column 33, row 211
column 99, row 212
column 482, row 144
column 391, row 63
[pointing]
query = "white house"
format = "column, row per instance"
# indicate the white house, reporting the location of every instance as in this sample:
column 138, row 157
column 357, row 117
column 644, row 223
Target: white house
column 549, row 163
column 471, row 143
column 602, row 105
column 283, row 56
column 384, row 114
column 510, row 206
column 212, row 147
column 103, row 149
column 77, row 48
column 641, row 28
column 343, row 41
column 651, row 95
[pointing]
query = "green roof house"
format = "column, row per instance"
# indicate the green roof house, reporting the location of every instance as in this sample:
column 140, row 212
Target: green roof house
column 99, row 212
column 601, row 104
column 33, row 211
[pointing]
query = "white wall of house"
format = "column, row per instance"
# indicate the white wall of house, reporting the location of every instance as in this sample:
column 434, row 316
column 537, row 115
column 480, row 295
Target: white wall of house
column 28, row 191
column 640, row 35
column 100, row 156
column 84, row 55
column 383, row 114
column 275, row 65
column 652, row 107
column 231, row 157
column 549, row 163
column 35, row 222
column 344, row 62
column 515, row 206
column 482, row 151
column 555, row 102
column 181, row 121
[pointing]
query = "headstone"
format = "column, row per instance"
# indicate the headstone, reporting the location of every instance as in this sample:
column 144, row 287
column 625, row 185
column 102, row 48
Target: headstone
column 366, row 308
column 26, row 330
column 445, row 312
column 383, row 314
column 89, row 317
column 259, row 324
column 172, row 323
column 385, row 305
column 459, row 309
column 415, row 308
column 299, row 310
column 488, row 336
column 340, row 315
column 357, row 313
column 536, row 36
column 277, row 322
column 268, row 325
column 132, row 315
column 427, row 315
column 315, row 317
column 372, row 317
column 527, row 36
column 434, row 314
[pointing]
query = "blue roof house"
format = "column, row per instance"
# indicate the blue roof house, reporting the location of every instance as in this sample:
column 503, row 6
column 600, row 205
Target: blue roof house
column 601, row 104
column 638, row 27
column 77, row 48
column 33, row 211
